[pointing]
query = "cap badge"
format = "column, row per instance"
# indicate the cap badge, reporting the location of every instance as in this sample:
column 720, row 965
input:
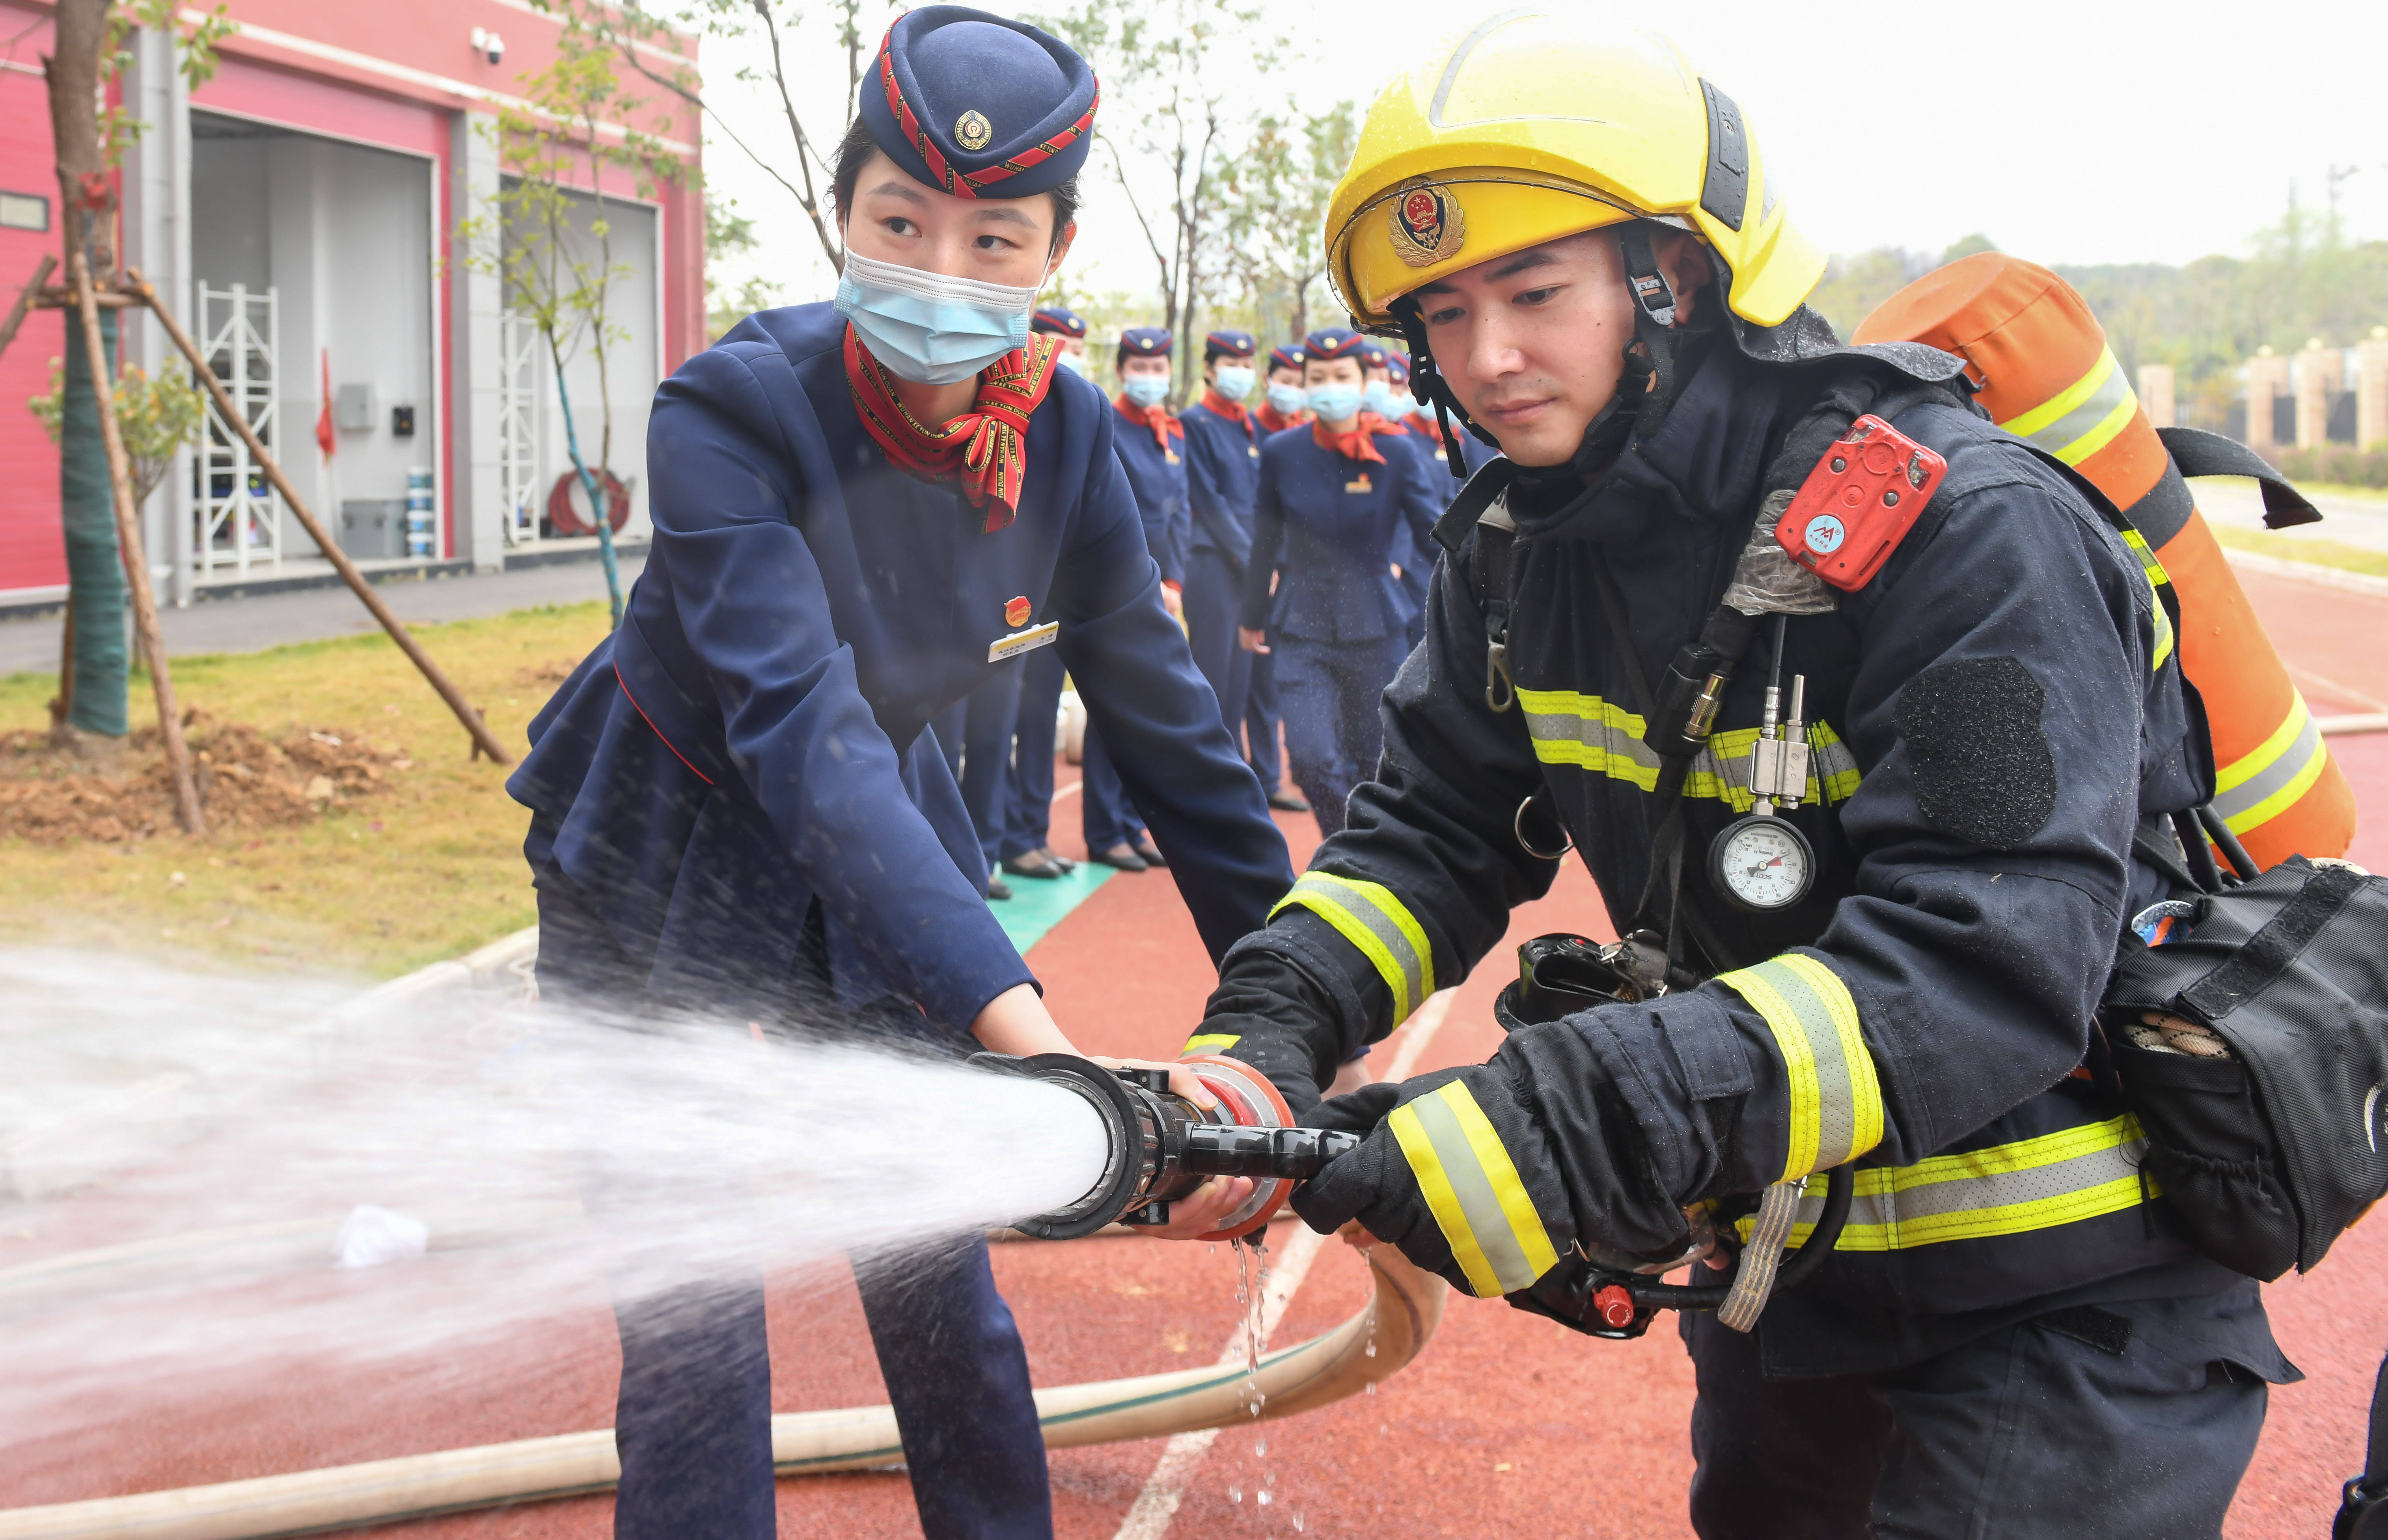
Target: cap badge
column 1016, row 613
column 1427, row 224
column 973, row 132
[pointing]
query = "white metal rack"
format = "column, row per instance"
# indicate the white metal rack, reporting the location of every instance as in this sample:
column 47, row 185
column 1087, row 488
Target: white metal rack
column 518, row 415
column 237, row 523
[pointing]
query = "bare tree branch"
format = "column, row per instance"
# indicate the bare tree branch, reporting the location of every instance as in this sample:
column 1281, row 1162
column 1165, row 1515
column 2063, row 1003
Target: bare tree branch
column 831, row 247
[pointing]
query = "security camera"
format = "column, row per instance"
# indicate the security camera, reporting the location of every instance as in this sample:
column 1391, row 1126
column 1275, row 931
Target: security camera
column 489, row 44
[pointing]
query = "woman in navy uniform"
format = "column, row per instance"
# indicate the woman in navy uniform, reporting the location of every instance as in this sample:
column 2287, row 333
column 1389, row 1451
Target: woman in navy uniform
column 861, row 511
column 1332, row 505
column 1026, row 850
column 1223, row 473
column 1286, row 405
column 1152, row 448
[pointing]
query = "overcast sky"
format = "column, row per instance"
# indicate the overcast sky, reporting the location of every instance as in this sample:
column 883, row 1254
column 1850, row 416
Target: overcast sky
column 2092, row 131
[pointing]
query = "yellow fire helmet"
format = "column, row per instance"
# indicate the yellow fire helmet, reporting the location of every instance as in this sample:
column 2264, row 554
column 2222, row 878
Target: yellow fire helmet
column 1528, row 128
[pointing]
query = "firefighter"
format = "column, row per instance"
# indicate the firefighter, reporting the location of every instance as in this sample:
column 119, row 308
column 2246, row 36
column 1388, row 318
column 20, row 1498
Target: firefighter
column 862, row 512
column 1320, row 596
column 1894, row 961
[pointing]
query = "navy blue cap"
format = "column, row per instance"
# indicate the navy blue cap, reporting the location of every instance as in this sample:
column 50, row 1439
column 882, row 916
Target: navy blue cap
column 1334, row 342
column 1056, row 320
column 1399, row 365
column 1228, row 345
column 1145, row 342
column 1373, row 354
column 1285, row 355
column 979, row 106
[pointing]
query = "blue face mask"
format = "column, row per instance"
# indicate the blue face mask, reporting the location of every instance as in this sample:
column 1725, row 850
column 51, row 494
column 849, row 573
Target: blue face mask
column 1146, row 390
column 1379, row 398
column 1335, row 403
column 1288, row 400
column 1231, row 382
column 927, row 327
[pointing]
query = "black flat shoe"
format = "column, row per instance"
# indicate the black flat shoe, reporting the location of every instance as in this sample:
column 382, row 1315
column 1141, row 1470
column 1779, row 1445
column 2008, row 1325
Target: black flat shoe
column 1286, row 802
column 998, row 890
column 1064, row 862
column 1152, row 854
column 1041, row 865
column 1124, row 858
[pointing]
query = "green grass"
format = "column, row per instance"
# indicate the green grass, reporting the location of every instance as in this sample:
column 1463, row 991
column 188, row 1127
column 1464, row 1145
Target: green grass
column 2297, row 548
column 2346, row 490
column 428, row 870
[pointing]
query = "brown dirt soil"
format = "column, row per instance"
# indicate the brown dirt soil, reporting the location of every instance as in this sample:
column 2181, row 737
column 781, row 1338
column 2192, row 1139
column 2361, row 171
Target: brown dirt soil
column 246, row 781
column 554, row 671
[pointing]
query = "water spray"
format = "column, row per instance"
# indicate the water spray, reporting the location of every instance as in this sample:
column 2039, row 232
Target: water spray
column 1162, row 1146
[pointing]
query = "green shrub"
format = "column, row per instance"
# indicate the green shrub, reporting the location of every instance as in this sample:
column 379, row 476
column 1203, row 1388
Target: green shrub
column 2342, row 464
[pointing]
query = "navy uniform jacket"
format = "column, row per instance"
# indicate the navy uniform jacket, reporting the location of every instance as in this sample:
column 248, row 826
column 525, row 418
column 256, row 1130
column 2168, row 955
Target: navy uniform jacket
column 1327, row 527
column 1989, row 720
column 1223, row 472
column 750, row 740
column 1157, row 477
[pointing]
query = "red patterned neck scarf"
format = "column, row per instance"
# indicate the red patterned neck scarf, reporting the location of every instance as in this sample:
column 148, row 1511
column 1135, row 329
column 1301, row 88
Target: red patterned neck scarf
column 1155, row 417
column 1273, row 421
column 985, row 449
column 1233, row 411
column 1359, row 443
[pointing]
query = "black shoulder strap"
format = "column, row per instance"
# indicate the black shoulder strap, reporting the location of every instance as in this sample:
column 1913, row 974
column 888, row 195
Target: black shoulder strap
column 2198, row 452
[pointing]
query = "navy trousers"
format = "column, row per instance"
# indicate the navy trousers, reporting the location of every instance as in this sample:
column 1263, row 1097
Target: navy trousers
column 1110, row 817
column 1329, row 693
column 2048, row 1429
column 1028, row 790
column 975, row 734
column 693, row 1424
column 1261, row 722
column 1213, row 602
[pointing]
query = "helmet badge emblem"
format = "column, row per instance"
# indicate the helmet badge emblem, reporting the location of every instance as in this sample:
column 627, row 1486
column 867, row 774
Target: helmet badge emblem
column 973, row 132
column 1427, row 224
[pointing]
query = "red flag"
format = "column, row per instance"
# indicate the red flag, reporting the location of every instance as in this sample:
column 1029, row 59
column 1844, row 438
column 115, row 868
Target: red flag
column 325, row 438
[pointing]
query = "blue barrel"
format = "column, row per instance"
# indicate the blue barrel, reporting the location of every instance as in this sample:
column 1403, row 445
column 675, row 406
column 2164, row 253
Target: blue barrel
column 422, row 533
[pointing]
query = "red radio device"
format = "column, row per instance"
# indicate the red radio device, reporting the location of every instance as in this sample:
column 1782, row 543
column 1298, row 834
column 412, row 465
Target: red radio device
column 1858, row 503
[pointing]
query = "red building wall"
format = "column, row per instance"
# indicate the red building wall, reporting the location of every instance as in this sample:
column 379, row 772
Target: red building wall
column 393, row 76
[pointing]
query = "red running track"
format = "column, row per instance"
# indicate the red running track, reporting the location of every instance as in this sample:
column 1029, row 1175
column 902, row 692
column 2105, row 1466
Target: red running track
column 1509, row 1424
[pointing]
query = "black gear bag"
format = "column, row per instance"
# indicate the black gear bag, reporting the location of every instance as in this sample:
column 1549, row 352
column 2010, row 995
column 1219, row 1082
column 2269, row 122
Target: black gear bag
column 2268, row 1154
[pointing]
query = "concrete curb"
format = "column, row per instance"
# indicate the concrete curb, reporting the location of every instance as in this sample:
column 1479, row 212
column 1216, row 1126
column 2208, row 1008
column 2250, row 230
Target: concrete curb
column 2310, row 572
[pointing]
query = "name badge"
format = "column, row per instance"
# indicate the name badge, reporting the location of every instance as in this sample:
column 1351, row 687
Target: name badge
column 1022, row 642
column 1173, row 455
column 1361, row 485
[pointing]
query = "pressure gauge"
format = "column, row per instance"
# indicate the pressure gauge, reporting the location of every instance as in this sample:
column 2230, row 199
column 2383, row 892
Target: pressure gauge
column 1761, row 862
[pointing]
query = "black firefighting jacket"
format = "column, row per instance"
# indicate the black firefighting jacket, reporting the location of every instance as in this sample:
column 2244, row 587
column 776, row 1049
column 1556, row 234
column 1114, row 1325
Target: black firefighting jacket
column 1989, row 720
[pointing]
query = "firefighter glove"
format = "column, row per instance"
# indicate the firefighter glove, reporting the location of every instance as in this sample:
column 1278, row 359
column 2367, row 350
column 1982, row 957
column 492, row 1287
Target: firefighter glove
column 1454, row 1170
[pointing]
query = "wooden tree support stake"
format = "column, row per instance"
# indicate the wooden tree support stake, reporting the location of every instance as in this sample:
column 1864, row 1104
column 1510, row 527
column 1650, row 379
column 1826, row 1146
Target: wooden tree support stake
column 27, row 298
column 482, row 739
column 136, row 560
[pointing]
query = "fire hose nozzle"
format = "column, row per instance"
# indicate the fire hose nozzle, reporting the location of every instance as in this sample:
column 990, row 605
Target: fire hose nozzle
column 1161, row 1146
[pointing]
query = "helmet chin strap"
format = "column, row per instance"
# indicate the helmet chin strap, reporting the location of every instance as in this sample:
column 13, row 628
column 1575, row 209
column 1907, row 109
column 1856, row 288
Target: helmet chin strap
column 1648, row 379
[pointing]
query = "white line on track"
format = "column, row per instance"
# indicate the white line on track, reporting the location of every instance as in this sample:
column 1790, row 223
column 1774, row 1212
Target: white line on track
column 1156, row 1505
column 1073, row 789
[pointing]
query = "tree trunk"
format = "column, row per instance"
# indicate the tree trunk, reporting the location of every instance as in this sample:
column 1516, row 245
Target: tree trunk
column 94, row 567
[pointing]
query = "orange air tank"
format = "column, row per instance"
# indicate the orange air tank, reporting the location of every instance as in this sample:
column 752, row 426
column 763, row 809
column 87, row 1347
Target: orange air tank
column 2046, row 374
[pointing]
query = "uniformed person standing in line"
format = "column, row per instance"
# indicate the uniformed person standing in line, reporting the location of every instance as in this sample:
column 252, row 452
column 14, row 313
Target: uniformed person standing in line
column 1286, row 406
column 1319, row 595
column 1152, row 448
column 1026, row 848
column 1223, row 473
column 862, row 510
column 1876, row 938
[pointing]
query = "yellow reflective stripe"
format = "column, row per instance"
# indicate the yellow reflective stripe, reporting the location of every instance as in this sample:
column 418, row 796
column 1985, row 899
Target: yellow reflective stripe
column 1368, row 916
column 1211, row 1042
column 2059, row 1178
column 2157, row 577
column 1600, row 737
column 1835, row 1097
column 2261, row 790
column 1592, row 734
column 1471, row 1187
column 2085, row 417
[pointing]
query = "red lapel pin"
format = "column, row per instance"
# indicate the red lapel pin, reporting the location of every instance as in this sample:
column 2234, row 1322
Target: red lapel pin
column 1016, row 613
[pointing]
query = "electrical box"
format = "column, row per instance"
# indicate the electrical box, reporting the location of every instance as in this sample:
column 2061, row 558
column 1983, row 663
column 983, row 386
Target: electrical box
column 353, row 410
column 401, row 422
